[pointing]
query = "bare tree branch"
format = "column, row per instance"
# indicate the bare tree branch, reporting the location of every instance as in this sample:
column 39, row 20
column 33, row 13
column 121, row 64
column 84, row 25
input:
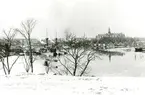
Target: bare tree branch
column 69, row 59
column 81, row 53
column 27, row 67
column 14, row 62
column 4, row 64
column 65, row 67
column 26, row 31
column 6, row 49
column 22, row 33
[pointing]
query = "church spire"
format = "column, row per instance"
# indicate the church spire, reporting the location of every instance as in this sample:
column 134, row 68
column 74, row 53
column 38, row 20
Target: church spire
column 109, row 31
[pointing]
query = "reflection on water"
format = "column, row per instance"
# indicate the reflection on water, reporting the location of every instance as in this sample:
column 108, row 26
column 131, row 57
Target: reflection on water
column 134, row 56
column 110, row 57
column 120, row 63
column 110, row 53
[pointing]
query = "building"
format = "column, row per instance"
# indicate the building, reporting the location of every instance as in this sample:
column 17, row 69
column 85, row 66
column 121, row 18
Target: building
column 109, row 34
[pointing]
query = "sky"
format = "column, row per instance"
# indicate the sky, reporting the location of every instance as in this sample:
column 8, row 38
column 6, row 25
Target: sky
column 81, row 17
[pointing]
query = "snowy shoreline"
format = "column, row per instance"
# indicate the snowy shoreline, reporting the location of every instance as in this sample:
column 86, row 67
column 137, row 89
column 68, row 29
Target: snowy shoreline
column 69, row 85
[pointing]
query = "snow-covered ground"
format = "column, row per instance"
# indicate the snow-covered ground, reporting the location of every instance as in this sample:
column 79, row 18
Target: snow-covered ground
column 124, row 75
column 67, row 85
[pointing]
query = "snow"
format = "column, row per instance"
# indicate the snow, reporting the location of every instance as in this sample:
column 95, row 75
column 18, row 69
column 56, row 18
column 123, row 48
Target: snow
column 122, row 66
column 68, row 85
column 121, row 76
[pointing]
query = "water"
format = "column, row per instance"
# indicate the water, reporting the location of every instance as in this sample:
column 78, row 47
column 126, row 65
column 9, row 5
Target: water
column 131, row 64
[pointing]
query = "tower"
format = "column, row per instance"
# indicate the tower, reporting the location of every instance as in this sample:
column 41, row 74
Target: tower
column 109, row 31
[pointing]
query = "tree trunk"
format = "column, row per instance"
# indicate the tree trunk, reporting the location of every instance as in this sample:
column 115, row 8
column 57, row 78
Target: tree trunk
column 30, row 55
column 75, row 69
column 7, row 50
column 27, row 68
column 4, row 69
column 85, row 68
column 9, row 71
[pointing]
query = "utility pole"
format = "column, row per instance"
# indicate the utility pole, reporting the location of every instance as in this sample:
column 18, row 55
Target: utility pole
column 46, row 33
column 47, row 39
column 56, row 40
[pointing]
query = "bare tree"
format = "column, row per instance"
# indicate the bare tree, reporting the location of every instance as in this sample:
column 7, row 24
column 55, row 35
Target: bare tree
column 27, row 28
column 79, row 54
column 5, row 52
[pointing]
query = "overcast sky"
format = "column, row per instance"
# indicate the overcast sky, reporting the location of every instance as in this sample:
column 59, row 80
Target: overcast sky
column 89, row 17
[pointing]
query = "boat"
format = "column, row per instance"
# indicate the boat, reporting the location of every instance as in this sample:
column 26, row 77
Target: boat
column 140, row 49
